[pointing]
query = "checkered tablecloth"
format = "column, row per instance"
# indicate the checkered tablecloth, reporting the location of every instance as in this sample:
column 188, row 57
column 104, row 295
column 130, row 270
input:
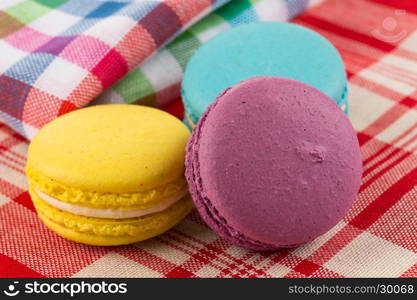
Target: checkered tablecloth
column 59, row 55
column 378, row 42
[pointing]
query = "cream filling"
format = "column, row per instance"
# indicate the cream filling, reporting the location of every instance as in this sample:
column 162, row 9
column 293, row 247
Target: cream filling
column 108, row 213
column 189, row 121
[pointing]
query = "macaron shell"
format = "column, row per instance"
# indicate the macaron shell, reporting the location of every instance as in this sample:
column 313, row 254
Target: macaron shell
column 107, row 232
column 277, row 160
column 111, row 149
column 203, row 204
column 262, row 49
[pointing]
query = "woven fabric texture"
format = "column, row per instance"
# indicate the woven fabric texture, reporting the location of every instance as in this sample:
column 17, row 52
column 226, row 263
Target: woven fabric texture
column 157, row 82
column 378, row 237
column 58, row 55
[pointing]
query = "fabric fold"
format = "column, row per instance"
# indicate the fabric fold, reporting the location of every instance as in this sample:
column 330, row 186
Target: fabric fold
column 57, row 56
column 157, row 81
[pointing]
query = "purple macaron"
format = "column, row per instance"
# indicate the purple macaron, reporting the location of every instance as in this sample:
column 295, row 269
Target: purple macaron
column 273, row 163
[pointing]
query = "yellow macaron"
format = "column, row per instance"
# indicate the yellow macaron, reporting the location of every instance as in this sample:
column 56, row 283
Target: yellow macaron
column 110, row 174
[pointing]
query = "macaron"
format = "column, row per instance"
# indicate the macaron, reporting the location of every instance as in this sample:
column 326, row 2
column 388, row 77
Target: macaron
column 262, row 49
column 273, row 163
column 110, row 174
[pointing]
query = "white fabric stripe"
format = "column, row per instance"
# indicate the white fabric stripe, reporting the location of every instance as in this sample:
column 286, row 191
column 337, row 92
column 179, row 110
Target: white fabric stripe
column 271, row 10
column 162, row 70
column 115, row 265
column 10, row 175
column 374, row 75
column 9, row 55
column 398, row 127
column 366, row 106
column 209, row 33
column 381, row 258
column 3, row 200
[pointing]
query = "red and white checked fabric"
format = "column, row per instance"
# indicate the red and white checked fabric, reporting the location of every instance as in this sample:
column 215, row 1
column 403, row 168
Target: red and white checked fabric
column 378, row 237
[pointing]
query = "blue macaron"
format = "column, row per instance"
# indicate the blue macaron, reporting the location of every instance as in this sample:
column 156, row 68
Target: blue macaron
column 262, row 49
